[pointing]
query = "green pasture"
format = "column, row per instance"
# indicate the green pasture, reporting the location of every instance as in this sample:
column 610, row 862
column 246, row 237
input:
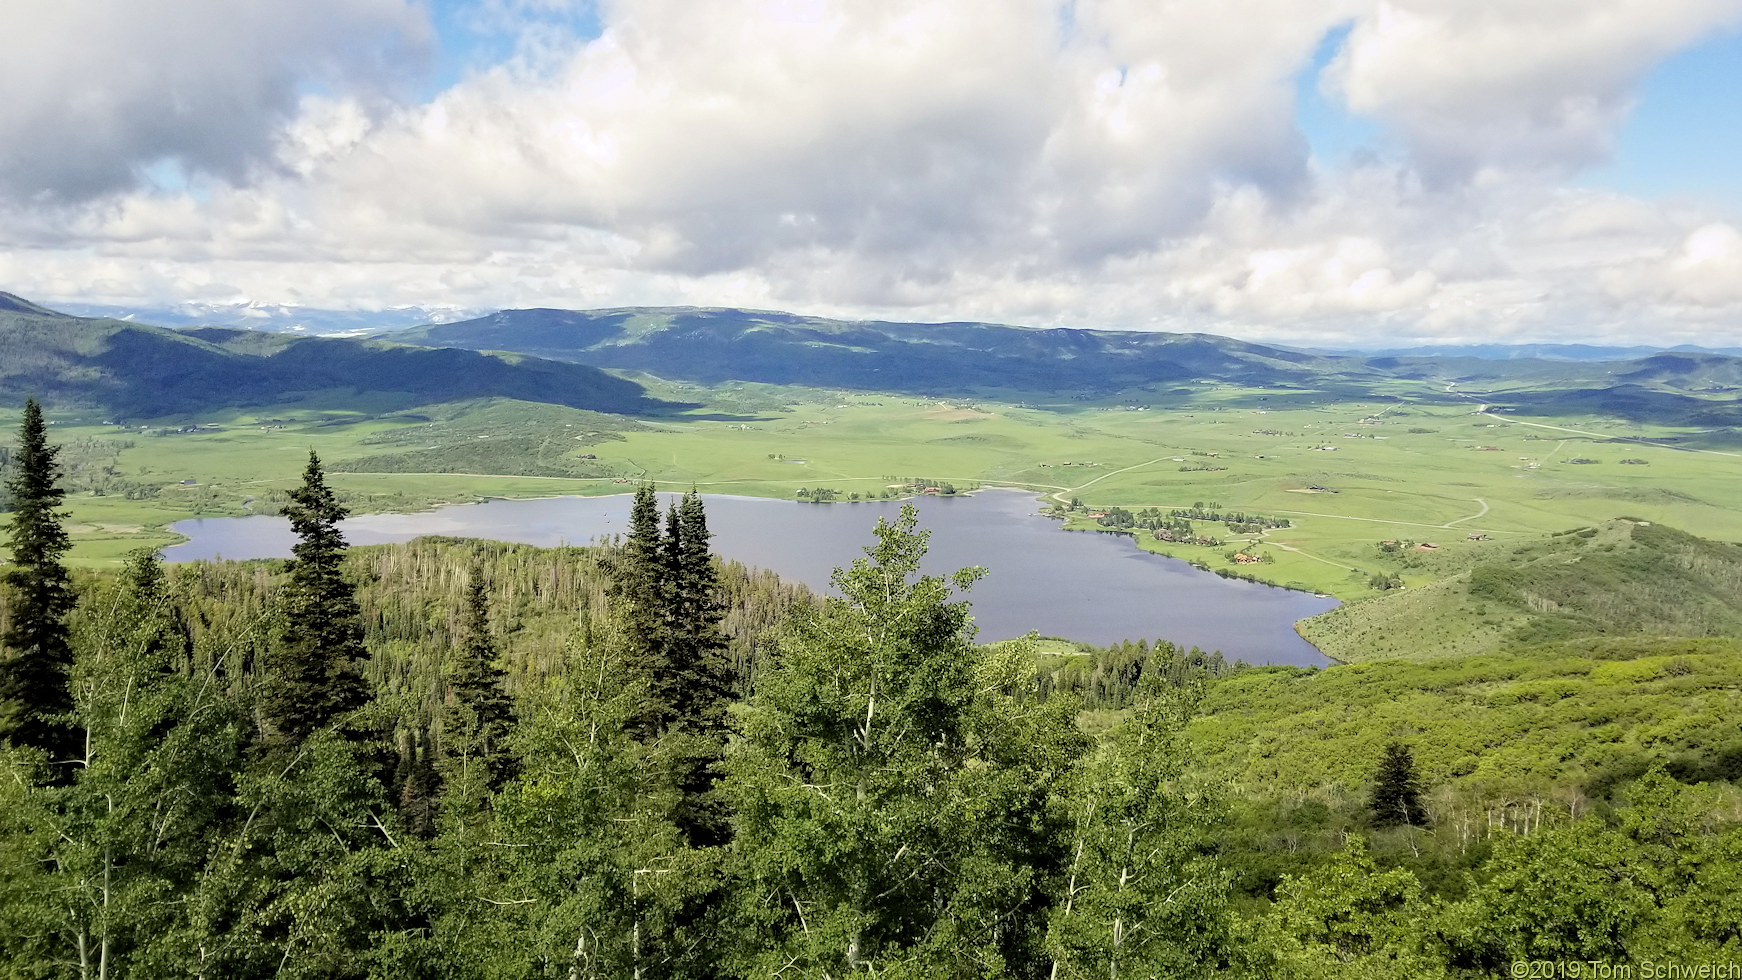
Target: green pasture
column 1398, row 462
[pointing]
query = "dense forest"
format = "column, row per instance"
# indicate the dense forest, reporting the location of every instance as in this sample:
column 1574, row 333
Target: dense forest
column 469, row 759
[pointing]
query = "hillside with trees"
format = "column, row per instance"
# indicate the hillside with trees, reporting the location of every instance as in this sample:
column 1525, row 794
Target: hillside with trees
column 466, row 759
column 715, row 345
column 139, row 371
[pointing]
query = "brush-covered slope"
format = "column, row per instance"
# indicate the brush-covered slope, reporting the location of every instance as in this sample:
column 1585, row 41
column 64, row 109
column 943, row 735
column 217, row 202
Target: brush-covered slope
column 136, row 370
column 1590, row 713
column 1623, row 578
column 714, row 345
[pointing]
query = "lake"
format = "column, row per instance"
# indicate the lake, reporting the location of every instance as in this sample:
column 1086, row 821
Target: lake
column 1098, row 588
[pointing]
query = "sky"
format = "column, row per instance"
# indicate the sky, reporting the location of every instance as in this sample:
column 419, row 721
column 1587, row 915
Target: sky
column 1337, row 173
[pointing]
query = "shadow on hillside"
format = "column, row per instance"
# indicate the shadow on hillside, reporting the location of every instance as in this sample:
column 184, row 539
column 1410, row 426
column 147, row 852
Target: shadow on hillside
column 681, row 413
column 1631, row 402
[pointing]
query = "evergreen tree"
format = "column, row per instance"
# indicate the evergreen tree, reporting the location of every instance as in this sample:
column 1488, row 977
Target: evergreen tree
column 669, row 590
column 639, row 586
column 34, row 696
column 667, row 667
column 703, row 674
column 698, row 673
column 306, row 884
column 485, row 710
column 417, row 783
column 1397, row 790
column 314, row 661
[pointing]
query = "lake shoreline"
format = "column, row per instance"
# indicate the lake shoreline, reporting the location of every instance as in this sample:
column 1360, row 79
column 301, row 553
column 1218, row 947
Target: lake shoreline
column 1085, row 586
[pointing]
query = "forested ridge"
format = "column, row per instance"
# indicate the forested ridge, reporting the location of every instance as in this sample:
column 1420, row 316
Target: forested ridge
column 140, row 371
column 469, row 759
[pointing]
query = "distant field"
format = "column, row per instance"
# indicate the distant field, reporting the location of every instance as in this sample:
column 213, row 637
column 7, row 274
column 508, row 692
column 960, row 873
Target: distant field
column 1403, row 462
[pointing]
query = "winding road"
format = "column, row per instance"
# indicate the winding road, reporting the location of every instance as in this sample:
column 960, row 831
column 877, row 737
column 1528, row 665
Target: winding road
column 1472, row 517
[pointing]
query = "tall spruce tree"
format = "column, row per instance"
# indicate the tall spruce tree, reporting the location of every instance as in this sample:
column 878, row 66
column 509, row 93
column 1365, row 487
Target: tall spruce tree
column 298, row 888
column 486, row 711
column 668, row 589
column 639, row 584
column 667, row 682
column 34, row 693
column 1397, row 790
column 314, row 674
column 697, row 674
column 703, row 675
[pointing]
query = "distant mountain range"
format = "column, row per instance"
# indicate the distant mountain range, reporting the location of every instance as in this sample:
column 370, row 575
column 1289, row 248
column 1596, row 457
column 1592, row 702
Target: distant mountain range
column 1545, row 352
column 138, row 370
column 274, row 318
column 711, row 345
column 559, row 356
column 314, row 321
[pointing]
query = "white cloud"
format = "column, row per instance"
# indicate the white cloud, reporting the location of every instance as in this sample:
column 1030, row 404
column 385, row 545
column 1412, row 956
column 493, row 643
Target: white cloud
column 1512, row 83
column 97, row 92
column 1702, row 277
column 1131, row 164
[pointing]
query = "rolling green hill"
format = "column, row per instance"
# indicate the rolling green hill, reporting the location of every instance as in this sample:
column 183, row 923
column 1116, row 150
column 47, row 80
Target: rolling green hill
column 715, row 345
column 143, row 371
column 1586, row 712
column 711, row 345
column 1623, row 578
column 135, row 369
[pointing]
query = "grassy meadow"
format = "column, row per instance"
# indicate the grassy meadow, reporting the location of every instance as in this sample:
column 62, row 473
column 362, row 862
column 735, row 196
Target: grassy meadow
column 1406, row 462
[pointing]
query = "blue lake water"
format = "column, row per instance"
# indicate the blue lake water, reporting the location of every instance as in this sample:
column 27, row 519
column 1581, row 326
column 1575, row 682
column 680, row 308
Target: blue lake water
column 1098, row 588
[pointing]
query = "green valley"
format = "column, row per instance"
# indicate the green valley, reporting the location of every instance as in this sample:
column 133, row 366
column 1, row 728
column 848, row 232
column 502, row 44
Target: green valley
column 1539, row 658
column 845, row 490
column 1348, row 475
column 1418, row 498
